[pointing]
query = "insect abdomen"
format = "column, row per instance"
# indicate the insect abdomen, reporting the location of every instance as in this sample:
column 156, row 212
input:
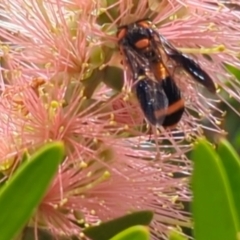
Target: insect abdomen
column 152, row 99
column 161, row 101
column 176, row 103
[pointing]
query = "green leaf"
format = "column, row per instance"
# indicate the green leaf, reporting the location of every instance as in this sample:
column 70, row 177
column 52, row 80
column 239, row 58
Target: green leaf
column 29, row 233
column 90, row 84
column 231, row 163
column 20, row 196
column 213, row 206
column 112, row 12
column 113, row 78
column 110, row 30
column 109, row 50
column 133, row 233
column 96, row 56
column 235, row 71
column 107, row 230
column 176, row 236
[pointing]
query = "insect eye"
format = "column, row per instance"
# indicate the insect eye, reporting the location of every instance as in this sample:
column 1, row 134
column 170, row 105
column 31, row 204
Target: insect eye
column 121, row 33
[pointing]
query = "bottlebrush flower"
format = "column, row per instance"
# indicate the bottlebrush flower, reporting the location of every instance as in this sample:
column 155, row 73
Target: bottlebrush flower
column 62, row 80
column 105, row 174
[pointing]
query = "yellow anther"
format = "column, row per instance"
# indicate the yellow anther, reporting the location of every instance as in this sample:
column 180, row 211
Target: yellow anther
column 112, row 123
column 106, row 175
column 83, row 164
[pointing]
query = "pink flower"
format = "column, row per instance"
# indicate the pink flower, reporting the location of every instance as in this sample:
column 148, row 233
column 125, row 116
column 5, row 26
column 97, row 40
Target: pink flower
column 56, row 56
column 90, row 198
column 106, row 173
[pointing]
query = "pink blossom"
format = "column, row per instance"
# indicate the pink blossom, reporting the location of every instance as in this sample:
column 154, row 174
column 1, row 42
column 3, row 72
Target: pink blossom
column 52, row 81
column 106, row 173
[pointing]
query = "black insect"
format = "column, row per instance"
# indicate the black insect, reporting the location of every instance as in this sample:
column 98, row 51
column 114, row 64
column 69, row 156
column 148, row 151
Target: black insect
column 150, row 58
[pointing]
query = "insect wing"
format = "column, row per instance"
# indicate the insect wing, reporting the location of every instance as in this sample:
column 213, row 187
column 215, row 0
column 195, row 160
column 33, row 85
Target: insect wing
column 152, row 99
column 188, row 64
column 136, row 63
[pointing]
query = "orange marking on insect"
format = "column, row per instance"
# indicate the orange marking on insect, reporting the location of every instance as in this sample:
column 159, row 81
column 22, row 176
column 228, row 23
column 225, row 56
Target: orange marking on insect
column 144, row 24
column 175, row 106
column 143, row 43
column 121, row 33
column 171, row 109
column 160, row 71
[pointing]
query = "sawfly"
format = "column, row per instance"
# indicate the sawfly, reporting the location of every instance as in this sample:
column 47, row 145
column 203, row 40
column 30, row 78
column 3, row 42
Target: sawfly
column 152, row 61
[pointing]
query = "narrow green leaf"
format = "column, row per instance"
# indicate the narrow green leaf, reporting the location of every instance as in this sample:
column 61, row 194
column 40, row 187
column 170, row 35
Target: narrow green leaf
column 107, row 230
column 231, row 163
column 235, row 71
column 213, row 206
column 133, row 233
column 23, row 192
column 29, row 233
column 176, row 236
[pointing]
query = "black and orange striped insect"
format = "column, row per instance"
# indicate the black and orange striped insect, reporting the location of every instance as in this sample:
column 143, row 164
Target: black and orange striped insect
column 152, row 60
